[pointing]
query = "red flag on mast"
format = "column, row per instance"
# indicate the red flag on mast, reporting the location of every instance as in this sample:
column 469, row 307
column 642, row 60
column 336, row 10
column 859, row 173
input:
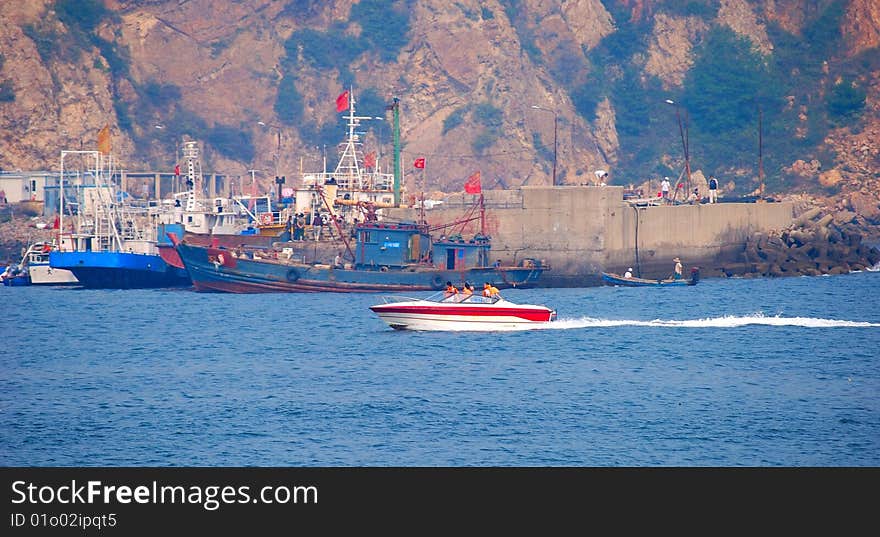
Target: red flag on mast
column 419, row 163
column 177, row 170
column 370, row 160
column 104, row 140
column 342, row 101
column 472, row 185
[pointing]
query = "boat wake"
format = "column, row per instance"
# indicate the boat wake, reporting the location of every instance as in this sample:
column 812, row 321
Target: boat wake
column 728, row 321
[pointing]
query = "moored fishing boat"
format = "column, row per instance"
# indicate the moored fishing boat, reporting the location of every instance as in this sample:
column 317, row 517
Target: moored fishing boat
column 15, row 276
column 386, row 257
column 34, row 269
column 224, row 221
column 444, row 311
column 111, row 242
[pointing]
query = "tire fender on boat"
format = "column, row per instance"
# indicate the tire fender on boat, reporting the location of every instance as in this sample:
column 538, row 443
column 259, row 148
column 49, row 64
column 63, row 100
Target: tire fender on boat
column 437, row 282
column 292, row 275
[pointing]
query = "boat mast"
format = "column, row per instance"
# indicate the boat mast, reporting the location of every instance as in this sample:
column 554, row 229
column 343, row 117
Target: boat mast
column 193, row 173
column 395, row 108
column 482, row 216
column 348, row 170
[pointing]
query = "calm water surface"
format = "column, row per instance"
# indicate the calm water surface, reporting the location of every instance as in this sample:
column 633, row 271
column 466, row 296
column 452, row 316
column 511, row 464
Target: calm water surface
column 771, row 372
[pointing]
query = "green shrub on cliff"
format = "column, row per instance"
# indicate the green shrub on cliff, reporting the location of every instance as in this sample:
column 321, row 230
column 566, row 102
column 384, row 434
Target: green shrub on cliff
column 233, row 142
column 7, row 92
column 384, row 25
column 288, row 104
column 845, row 100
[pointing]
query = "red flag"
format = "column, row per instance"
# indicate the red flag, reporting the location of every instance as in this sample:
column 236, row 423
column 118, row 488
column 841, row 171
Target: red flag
column 370, row 160
column 472, row 185
column 57, row 223
column 104, row 140
column 177, row 170
column 419, row 163
column 342, row 101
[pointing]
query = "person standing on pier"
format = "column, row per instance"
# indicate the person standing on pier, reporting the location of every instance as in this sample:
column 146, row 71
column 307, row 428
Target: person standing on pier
column 318, row 225
column 713, row 190
column 299, row 227
column 664, row 189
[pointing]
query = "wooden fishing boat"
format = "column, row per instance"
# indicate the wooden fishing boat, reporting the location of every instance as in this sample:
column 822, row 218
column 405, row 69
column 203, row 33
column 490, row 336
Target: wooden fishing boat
column 611, row 278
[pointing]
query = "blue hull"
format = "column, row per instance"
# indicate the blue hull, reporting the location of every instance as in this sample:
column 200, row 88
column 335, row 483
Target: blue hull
column 17, row 281
column 240, row 275
column 119, row 270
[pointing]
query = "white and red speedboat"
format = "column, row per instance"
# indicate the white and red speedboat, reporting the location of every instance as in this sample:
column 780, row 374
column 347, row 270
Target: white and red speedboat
column 461, row 312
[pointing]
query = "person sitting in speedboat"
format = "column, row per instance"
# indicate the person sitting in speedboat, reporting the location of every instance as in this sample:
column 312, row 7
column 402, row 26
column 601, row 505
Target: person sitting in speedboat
column 450, row 289
column 468, row 289
column 490, row 290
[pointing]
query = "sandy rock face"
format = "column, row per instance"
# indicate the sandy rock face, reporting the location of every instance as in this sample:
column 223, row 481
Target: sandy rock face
column 861, row 25
column 830, row 178
column 670, row 51
column 739, row 16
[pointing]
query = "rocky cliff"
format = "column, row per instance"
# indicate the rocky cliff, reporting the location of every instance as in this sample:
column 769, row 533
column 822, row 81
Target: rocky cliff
column 254, row 81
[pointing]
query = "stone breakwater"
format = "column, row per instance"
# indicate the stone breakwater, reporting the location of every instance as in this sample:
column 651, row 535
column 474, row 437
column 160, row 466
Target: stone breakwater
column 816, row 243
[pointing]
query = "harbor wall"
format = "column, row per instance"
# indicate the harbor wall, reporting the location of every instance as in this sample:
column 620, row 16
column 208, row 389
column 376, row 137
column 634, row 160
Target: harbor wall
column 584, row 230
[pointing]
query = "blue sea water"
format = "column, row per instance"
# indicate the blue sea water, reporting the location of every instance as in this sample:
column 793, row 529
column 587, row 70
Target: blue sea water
column 732, row 372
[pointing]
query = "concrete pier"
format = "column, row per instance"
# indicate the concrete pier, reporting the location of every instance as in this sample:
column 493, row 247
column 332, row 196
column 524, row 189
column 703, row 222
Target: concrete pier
column 584, row 230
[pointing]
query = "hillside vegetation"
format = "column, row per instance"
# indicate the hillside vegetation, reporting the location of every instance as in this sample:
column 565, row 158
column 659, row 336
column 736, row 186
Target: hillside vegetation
column 255, row 83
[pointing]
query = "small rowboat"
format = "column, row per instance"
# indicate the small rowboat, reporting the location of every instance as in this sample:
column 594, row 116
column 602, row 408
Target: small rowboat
column 611, row 278
column 461, row 312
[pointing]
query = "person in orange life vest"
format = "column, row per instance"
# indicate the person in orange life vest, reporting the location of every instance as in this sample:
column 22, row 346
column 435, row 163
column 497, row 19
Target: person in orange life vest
column 468, row 289
column 490, row 290
column 450, row 289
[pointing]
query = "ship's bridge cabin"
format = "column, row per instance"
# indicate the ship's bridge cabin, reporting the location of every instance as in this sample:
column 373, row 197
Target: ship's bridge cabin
column 381, row 246
column 455, row 253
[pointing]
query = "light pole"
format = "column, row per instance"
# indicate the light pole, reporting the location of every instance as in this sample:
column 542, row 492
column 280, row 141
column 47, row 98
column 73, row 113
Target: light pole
column 555, row 131
column 761, row 149
column 278, row 148
column 685, row 141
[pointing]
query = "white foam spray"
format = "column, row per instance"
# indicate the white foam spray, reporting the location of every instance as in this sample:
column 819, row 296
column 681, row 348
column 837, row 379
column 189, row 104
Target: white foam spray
column 728, row 321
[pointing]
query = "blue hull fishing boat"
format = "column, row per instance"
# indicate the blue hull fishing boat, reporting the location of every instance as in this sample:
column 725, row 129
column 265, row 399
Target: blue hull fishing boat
column 119, row 270
column 111, row 242
column 386, row 257
column 14, row 277
column 34, row 269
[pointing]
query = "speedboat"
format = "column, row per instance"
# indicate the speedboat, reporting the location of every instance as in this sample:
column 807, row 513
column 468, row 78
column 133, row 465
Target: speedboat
column 443, row 311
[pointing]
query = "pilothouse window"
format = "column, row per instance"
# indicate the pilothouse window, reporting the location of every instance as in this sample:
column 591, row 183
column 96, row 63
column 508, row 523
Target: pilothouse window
column 367, row 237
